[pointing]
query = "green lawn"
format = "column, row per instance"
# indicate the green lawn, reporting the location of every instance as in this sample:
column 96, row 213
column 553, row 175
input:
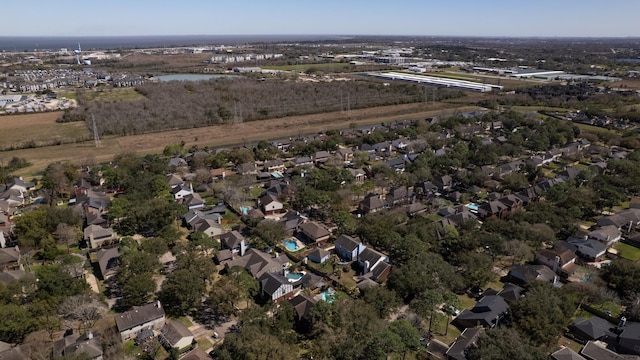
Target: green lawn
column 304, row 67
column 183, row 319
column 627, row 251
column 204, row 344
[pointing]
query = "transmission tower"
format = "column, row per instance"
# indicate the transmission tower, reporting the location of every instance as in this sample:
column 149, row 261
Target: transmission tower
column 96, row 137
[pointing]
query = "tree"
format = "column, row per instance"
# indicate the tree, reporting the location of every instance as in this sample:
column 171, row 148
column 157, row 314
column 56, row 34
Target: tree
column 624, row 277
column 270, row 232
column 383, row 300
column 66, row 234
column 83, row 310
column 15, row 323
column 504, row 343
column 407, row 333
column 137, row 289
column 182, row 291
column 543, row 313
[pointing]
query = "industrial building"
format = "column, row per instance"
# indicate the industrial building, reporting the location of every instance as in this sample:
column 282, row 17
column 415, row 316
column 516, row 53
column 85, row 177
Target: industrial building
column 435, row 81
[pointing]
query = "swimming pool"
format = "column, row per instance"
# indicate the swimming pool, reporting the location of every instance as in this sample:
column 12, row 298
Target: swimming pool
column 291, row 245
column 329, row 295
column 244, row 210
column 295, row 276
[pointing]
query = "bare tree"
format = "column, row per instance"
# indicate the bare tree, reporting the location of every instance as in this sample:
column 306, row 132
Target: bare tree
column 82, row 310
column 65, row 234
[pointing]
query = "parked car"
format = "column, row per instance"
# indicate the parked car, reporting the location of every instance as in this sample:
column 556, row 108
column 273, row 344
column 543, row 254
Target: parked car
column 451, row 310
column 476, row 292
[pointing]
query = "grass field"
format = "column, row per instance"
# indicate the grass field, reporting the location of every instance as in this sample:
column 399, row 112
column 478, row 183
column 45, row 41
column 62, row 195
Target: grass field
column 305, row 67
column 38, row 129
column 627, row 251
column 225, row 135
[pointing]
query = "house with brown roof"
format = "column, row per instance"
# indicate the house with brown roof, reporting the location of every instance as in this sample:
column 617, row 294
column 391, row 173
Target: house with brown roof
column 608, row 235
column 10, row 258
column 314, row 233
column 371, row 203
column 95, row 236
column 258, row 262
column 140, row 318
column 560, row 260
column 270, row 204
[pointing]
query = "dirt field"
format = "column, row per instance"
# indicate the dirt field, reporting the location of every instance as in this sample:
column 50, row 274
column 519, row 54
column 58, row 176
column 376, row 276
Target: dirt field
column 38, row 128
column 225, row 135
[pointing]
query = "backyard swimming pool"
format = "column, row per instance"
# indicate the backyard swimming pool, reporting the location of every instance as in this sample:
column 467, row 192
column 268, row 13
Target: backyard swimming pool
column 295, row 276
column 291, row 245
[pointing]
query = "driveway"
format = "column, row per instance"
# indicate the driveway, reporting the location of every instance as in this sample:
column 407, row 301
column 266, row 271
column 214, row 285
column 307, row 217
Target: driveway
column 200, row 331
column 92, row 281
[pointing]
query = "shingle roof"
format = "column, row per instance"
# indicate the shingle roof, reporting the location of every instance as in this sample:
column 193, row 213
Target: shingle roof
column 232, row 239
column 271, row 282
column 174, row 331
column 347, row 242
column 139, row 315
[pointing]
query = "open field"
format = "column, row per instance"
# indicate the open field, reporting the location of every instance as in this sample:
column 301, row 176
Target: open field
column 113, row 94
column 38, row 129
column 305, row 67
column 225, row 135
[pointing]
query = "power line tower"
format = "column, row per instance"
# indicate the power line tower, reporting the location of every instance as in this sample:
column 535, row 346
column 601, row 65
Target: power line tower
column 96, row 137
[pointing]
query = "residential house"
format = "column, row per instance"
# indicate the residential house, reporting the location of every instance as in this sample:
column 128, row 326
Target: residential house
column 174, row 180
column 560, row 260
column 597, row 350
column 291, row 220
column 320, row 157
column 96, row 236
column 179, row 192
column 371, row 203
column 234, row 241
column 623, row 220
column 359, row 175
column 140, row 318
column 301, row 161
column 194, row 216
column 247, row 169
column 594, row 328
column 348, row 248
column 493, row 208
column 511, row 292
column 318, row 255
column 223, row 257
column 85, row 346
column 258, row 262
column 10, row 258
column 12, row 276
column 397, row 195
column 193, row 201
column 302, row 305
column 487, row 313
column 208, row 226
column 525, row 274
column 374, row 264
column 195, row 354
column 629, row 338
column 443, row 183
column 108, row 261
column 397, row 164
column 270, row 204
column 175, row 335
column 314, row 233
column 276, row 165
column 590, row 250
column 346, row 154
column 177, row 162
column 275, row 286
column 463, row 343
column 608, row 235
column 566, row 353
column 9, row 352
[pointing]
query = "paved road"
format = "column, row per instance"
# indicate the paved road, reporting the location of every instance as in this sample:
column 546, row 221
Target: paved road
column 200, row 331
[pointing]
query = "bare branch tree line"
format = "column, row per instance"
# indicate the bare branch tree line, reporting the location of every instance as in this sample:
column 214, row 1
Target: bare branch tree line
column 177, row 105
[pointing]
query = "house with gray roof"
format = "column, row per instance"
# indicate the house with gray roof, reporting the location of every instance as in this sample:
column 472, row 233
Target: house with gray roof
column 374, row 263
column 175, row 335
column 608, row 235
column 259, row 262
column 318, row 255
column 594, row 328
column 275, row 286
column 463, row 343
column 371, row 203
column 85, row 345
column 10, row 258
column 348, row 248
column 566, row 353
column 525, row 274
column 134, row 321
column 487, row 313
column 108, row 261
column 234, row 241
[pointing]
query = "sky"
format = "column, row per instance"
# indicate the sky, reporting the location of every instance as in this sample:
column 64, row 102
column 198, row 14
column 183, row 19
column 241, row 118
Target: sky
column 514, row 18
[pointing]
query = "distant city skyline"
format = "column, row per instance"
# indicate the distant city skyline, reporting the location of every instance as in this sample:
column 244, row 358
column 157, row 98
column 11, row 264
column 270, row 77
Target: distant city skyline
column 502, row 18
